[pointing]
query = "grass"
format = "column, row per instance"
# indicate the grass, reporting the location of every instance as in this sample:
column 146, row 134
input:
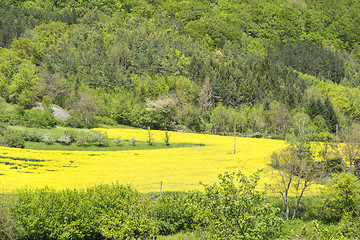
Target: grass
column 126, row 145
column 54, row 132
column 59, row 131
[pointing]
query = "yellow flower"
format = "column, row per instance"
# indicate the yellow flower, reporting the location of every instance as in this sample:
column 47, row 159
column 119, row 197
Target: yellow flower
column 178, row 168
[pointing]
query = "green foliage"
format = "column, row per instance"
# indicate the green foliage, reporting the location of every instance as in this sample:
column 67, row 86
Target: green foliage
column 299, row 55
column 223, row 119
column 7, row 220
column 64, row 139
column 150, row 138
column 334, row 165
column 12, row 139
column 46, row 103
column 340, row 198
column 349, row 227
column 101, row 212
column 13, row 116
column 174, row 212
column 234, row 209
column 309, row 230
column 93, row 138
column 47, row 139
column 31, row 136
column 23, row 86
column 184, row 65
column 167, row 138
column 39, row 119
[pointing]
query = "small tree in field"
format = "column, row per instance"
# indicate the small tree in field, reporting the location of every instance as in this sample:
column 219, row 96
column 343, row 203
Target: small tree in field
column 341, row 197
column 296, row 165
column 167, row 138
column 234, row 209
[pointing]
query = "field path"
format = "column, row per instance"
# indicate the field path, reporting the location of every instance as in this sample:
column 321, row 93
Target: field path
column 178, row 168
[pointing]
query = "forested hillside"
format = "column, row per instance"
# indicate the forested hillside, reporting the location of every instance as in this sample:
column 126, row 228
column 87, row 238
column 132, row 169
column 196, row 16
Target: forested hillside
column 287, row 69
column 183, row 65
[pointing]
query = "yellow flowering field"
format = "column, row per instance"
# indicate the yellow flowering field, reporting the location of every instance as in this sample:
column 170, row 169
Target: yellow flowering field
column 178, row 168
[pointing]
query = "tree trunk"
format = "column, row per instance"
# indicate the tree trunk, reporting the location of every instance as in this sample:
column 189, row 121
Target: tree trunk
column 298, row 198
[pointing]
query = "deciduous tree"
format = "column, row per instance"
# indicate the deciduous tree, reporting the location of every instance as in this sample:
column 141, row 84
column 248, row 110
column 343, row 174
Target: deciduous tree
column 296, row 166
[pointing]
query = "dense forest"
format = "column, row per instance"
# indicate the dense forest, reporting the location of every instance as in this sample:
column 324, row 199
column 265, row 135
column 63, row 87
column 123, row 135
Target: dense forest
column 183, row 65
column 195, row 66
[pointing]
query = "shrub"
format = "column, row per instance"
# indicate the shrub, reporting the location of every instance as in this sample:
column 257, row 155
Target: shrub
column 12, row 139
column 94, row 138
column 13, row 116
column 73, row 122
column 118, row 141
column 32, row 136
column 101, row 212
column 174, row 212
column 167, row 138
column 84, row 140
column 133, row 141
column 334, row 165
column 349, row 227
column 341, row 197
column 72, row 135
column 105, row 120
column 101, row 140
column 39, row 119
column 233, row 209
column 46, row 138
column 7, row 220
column 77, row 121
column 64, row 139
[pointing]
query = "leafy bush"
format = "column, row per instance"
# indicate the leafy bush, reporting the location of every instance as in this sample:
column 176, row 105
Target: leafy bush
column 32, row 136
column 334, row 165
column 12, row 139
column 13, row 116
column 64, row 139
column 72, row 134
column 84, row 140
column 105, row 120
column 39, row 119
column 118, row 141
column 349, row 227
column 101, row 212
column 46, row 138
column 7, row 220
column 174, row 212
column 93, row 138
column 340, row 198
column 233, row 209
column 77, row 121
column 167, row 138
column 101, row 140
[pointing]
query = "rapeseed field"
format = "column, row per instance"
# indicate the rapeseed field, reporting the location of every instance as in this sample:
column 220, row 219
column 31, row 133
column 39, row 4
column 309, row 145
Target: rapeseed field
column 178, row 168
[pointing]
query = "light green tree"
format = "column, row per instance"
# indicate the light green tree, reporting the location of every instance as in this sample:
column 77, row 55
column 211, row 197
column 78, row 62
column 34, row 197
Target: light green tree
column 341, row 197
column 234, row 209
column 296, row 166
column 23, row 87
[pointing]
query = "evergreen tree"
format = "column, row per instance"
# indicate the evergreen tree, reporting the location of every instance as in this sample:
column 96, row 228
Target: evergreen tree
column 330, row 115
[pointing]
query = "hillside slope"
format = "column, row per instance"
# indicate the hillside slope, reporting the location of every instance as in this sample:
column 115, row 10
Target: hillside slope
column 184, row 65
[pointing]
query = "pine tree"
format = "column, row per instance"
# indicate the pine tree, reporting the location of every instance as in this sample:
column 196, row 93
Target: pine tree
column 330, row 115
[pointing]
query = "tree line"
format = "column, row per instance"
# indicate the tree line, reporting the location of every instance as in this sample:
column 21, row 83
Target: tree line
column 194, row 66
